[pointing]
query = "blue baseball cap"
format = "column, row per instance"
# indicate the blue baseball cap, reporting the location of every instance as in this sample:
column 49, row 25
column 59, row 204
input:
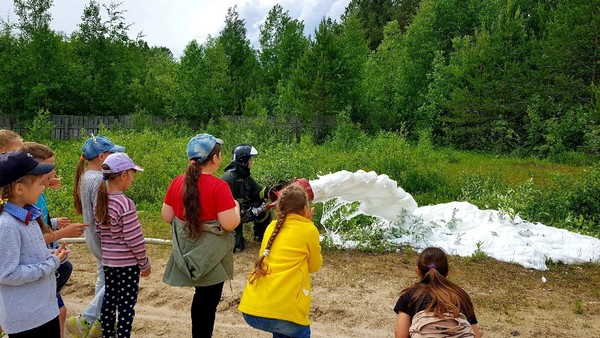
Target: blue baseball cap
column 97, row 145
column 17, row 164
column 200, row 146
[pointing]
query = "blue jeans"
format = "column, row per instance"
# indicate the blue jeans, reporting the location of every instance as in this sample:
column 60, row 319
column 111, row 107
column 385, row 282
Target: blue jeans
column 279, row 328
column 93, row 310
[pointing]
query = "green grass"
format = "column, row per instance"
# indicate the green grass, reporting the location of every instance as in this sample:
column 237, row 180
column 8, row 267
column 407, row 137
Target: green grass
column 560, row 195
column 578, row 307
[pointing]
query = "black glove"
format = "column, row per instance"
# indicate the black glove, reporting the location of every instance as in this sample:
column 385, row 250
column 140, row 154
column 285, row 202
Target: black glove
column 252, row 213
column 245, row 216
column 258, row 210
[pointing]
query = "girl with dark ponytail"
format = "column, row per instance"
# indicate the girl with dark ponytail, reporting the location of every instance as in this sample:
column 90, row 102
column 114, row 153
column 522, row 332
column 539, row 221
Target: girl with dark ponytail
column 435, row 299
column 203, row 214
column 277, row 295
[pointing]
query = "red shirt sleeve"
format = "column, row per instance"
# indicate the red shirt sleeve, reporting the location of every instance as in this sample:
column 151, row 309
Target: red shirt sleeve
column 174, row 196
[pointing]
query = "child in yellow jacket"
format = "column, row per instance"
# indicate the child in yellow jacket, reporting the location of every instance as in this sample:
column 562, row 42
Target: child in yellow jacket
column 277, row 294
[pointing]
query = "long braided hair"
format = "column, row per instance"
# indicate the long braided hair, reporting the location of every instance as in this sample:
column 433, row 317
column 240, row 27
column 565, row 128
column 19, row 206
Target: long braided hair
column 292, row 200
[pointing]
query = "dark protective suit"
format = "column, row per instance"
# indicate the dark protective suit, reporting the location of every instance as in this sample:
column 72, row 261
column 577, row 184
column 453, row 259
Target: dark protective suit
column 251, row 198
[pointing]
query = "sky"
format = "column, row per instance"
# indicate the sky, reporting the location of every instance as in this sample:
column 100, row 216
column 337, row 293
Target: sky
column 174, row 23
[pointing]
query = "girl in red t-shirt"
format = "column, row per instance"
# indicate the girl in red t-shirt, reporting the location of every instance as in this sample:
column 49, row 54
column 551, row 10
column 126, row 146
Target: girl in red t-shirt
column 202, row 213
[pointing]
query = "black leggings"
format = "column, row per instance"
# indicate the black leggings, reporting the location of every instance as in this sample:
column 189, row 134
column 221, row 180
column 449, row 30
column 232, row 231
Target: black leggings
column 51, row 330
column 122, row 285
column 204, row 309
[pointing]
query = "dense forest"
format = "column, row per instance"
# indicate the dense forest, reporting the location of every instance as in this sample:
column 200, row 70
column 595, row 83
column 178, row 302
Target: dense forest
column 502, row 76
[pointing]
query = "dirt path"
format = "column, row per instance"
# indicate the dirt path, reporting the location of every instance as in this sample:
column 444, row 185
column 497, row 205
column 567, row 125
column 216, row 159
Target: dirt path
column 354, row 294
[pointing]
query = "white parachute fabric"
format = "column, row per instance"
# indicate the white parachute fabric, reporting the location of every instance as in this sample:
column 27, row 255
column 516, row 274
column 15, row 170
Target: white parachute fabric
column 460, row 228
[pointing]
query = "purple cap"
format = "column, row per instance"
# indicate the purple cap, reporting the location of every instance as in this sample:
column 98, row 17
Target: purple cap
column 118, row 162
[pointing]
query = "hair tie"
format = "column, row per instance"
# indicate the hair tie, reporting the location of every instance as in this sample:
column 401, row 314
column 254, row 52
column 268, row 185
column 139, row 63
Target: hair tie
column 105, row 178
column 82, row 158
column 3, row 201
column 266, row 253
column 431, row 267
column 193, row 162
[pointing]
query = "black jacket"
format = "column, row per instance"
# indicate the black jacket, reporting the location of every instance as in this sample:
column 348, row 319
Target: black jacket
column 243, row 187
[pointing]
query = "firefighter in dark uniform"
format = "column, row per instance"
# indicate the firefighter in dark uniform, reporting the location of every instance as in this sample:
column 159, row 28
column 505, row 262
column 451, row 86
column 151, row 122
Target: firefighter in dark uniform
column 252, row 197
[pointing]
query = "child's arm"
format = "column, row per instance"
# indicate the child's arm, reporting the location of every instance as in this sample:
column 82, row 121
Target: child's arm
column 15, row 274
column 59, row 222
column 132, row 234
column 73, row 230
column 167, row 213
column 402, row 325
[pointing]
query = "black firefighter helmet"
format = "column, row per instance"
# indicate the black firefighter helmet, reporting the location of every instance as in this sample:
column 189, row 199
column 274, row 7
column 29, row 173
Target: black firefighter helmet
column 242, row 154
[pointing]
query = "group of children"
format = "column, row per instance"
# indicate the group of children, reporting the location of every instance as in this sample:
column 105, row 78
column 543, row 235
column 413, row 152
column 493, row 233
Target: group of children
column 203, row 214
column 31, row 280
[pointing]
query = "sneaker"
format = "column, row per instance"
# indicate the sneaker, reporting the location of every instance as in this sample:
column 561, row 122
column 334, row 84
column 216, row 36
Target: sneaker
column 78, row 326
column 96, row 330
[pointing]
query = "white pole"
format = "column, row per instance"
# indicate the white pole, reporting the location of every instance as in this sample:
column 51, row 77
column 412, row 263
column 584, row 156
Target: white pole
column 147, row 240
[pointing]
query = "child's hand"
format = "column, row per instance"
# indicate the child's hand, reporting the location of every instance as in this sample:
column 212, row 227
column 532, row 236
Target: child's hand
column 73, row 230
column 63, row 222
column 61, row 252
column 147, row 272
column 54, row 183
column 311, row 213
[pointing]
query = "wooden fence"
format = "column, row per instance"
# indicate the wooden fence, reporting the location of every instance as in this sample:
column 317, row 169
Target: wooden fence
column 9, row 122
column 71, row 126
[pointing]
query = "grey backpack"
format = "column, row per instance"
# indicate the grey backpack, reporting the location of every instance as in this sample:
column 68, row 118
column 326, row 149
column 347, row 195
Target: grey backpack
column 427, row 325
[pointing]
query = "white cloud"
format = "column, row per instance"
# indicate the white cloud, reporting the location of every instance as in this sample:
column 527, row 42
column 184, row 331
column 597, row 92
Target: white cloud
column 174, row 23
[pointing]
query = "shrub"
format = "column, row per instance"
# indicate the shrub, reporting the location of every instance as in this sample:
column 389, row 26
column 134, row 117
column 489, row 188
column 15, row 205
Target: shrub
column 41, row 128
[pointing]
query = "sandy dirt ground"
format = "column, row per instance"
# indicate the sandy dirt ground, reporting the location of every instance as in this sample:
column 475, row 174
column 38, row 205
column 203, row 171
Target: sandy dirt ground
column 354, row 293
